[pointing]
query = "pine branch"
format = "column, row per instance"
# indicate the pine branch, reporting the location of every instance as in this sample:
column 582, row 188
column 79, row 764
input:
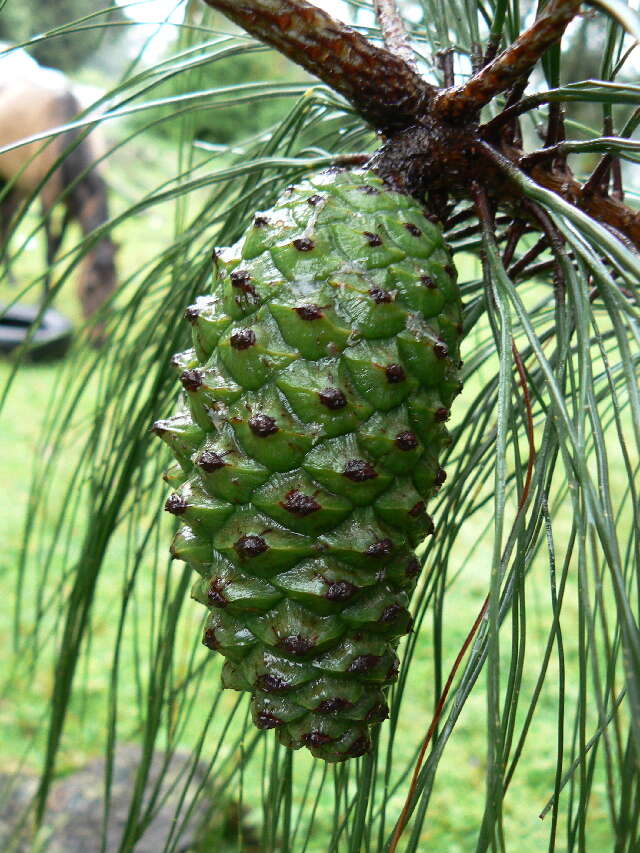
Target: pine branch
column 380, row 85
column 390, row 95
column 600, row 175
column 512, row 111
column 514, row 62
column 606, row 209
column 393, row 32
column 444, row 59
column 514, row 271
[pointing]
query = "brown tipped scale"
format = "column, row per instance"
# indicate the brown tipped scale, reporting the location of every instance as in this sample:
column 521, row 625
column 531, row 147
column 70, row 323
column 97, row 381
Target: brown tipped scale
column 314, row 403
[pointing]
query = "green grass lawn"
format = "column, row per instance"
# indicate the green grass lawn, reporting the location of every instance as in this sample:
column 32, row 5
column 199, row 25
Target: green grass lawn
column 458, row 802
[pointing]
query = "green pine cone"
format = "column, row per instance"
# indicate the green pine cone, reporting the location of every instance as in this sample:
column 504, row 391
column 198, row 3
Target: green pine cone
column 316, row 396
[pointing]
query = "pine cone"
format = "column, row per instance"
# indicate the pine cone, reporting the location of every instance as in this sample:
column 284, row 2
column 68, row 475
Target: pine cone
column 316, row 396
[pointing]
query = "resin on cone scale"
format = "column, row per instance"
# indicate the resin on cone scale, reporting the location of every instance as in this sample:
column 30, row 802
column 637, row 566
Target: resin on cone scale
column 315, row 398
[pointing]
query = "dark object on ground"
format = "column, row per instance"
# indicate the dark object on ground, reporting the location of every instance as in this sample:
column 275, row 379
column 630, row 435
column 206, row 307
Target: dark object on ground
column 16, row 793
column 50, row 341
column 73, row 820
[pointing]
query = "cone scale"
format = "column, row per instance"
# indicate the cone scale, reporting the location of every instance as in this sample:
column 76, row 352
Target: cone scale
column 315, row 398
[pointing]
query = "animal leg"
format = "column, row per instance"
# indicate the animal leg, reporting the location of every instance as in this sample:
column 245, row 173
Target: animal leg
column 97, row 282
column 8, row 209
column 54, row 241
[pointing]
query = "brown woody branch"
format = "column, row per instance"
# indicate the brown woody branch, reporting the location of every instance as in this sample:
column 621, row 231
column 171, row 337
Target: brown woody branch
column 429, row 126
column 513, row 63
column 606, row 209
column 381, row 86
column 512, row 111
column 393, row 31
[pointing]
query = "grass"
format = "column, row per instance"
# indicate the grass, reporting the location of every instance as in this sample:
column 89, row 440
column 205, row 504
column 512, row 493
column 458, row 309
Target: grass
column 458, row 802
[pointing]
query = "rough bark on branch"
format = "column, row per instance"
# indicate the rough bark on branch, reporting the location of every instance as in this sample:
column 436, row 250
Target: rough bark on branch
column 393, row 31
column 393, row 98
column 608, row 210
column 381, row 86
column 514, row 62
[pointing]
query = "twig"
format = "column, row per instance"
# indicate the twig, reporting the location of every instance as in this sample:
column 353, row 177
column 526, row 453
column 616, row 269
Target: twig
column 534, row 270
column 393, row 31
column 471, row 230
column 601, row 172
column 514, row 233
column 513, row 133
column 607, row 210
column 556, row 244
column 531, row 102
column 578, row 146
column 600, row 175
column 527, row 258
column 445, row 61
column 617, row 190
column 483, row 208
column 459, row 217
column 382, row 87
column 555, row 126
column 389, row 94
column 610, row 211
column 514, row 62
column 542, row 155
column 357, row 160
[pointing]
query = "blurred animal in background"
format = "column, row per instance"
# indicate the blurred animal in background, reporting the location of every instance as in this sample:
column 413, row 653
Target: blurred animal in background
column 34, row 100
